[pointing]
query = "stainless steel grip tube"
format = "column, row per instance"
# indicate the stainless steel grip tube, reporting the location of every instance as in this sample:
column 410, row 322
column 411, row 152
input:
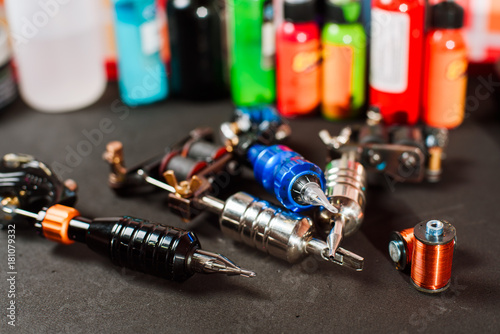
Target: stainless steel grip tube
column 345, row 188
column 266, row 227
column 279, row 233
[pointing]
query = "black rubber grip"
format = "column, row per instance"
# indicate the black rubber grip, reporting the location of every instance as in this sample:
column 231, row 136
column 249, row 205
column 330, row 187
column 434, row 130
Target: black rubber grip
column 144, row 246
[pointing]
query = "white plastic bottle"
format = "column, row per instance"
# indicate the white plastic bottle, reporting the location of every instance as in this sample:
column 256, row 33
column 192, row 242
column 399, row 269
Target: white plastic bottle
column 59, row 52
column 8, row 91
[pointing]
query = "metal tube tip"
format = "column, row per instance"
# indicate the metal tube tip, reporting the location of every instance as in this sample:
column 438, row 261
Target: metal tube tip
column 348, row 259
column 313, row 194
column 333, row 242
column 246, row 273
column 213, row 263
column 335, row 236
column 341, row 257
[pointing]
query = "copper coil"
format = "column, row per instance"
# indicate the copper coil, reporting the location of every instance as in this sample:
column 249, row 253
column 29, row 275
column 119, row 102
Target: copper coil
column 432, row 260
column 183, row 167
column 408, row 238
column 401, row 248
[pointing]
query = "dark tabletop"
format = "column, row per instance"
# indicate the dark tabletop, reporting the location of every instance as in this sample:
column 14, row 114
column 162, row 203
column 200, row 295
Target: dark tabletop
column 70, row 289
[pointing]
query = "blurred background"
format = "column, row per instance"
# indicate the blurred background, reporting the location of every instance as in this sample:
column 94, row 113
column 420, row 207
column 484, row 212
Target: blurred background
column 405, row 59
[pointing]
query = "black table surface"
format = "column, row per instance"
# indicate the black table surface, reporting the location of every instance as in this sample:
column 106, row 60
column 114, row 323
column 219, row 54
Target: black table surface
column 71, row 289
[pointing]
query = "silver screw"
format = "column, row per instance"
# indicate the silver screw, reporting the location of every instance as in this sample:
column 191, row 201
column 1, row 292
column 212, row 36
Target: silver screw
column 408, row 159
column 434, row 228
column 375, row 158
column 394, row 251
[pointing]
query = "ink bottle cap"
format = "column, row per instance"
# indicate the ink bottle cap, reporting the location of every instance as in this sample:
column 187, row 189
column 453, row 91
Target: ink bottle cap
column 343, row 11
column 447, row 15
column 299, row 11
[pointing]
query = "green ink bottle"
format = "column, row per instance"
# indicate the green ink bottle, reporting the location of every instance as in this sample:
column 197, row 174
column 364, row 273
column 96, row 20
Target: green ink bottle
column 344, row 60
column 251, row 38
